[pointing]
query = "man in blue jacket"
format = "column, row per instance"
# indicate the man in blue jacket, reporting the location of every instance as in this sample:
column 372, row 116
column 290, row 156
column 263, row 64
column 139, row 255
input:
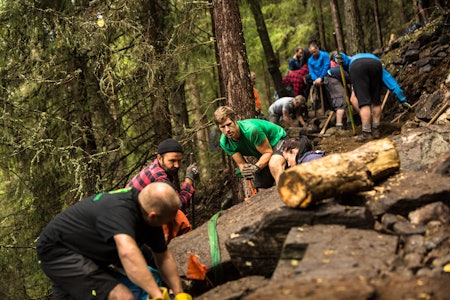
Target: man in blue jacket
column 367, row 76
column 318, row 65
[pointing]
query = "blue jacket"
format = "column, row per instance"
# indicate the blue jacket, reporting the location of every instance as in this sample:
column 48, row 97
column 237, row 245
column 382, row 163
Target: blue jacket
column 318, row 67
column 387, row 78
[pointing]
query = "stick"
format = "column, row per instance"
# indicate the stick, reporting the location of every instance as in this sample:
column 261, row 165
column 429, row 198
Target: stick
column 312, row 100
column 384, row 100
column 253, row 191
column 191, row 160
column 403, row 113
column 344, row 83
column 440, row 112
column 325, row 125
column 321, row 99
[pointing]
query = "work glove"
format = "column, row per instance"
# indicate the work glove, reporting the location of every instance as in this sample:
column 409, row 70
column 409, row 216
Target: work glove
column 183, row 296
column 249, row 170
column 165, row 294
column 192, row 172
column 406, row 105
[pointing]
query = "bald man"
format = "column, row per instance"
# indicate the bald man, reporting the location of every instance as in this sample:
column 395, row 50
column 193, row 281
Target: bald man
column 77, row 248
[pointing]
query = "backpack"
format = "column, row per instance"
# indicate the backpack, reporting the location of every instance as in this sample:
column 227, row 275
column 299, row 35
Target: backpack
column 311, row 155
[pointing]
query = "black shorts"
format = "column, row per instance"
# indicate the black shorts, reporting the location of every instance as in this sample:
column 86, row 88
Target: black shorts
column 74, row 276
column 263, row 179
column 278, row 148
column 366, row 75
column 337, row 93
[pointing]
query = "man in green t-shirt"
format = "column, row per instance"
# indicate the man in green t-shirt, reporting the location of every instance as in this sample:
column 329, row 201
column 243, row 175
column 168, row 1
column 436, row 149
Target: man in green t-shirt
column 253, row 137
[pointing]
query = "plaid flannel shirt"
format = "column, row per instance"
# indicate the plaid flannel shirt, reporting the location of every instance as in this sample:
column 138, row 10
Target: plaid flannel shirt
column 154, row 172
column 296, row 80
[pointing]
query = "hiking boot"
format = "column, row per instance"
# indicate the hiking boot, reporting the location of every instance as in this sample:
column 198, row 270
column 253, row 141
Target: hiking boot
column 376, row 133
column 364, row 137
column 340, row 131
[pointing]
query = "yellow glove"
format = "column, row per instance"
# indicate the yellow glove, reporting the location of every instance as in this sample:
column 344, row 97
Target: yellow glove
column 165, row 296
column 183, row 296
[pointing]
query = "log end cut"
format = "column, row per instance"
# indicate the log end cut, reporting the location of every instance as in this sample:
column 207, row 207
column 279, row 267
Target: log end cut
column 293, row 191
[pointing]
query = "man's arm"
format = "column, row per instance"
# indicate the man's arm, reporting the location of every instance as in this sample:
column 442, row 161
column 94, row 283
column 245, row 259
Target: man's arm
column 286, row 118
column 266, row 150
column 168, row 269
column 300, row 119
column 239, row 160
column 186, row 192
column 135, row 265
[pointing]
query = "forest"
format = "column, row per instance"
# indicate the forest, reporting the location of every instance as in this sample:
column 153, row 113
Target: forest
column 90, row 88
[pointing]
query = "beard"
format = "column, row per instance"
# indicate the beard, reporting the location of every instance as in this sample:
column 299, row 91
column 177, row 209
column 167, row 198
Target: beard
column 171, row 172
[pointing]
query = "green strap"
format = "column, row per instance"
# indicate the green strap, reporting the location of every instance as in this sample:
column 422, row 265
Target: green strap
column 215, row 248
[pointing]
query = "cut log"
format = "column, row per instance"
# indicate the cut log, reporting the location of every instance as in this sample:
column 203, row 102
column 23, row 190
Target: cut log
column 337, row 174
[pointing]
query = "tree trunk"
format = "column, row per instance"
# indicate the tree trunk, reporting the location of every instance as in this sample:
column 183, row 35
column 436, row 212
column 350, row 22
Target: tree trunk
column 272, row 62
column 154, row 18
column 337, row 174
column 376, row 16
column 83, row 115
column 232, row 55
column 234, row 72
column 323, row 40
column 337, row 25
column 179, row 111
column 202, row 137
column 403, row 17
column 354, row 34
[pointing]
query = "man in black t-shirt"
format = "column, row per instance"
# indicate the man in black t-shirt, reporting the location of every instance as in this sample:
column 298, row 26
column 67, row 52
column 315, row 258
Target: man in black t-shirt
column 77, row 248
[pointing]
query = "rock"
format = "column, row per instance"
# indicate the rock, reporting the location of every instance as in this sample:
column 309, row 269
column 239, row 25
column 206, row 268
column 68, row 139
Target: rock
column 406, row 191
column 406, row 228
column 235, row 289
column 415, row 244
column 420, row 147
column 433, row 211
column 325, row 252
column 256, row 249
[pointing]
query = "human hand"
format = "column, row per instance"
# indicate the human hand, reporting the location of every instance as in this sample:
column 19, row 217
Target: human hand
column 192, row 172
column 165, row 295
column 183, row 296
column 249, row 170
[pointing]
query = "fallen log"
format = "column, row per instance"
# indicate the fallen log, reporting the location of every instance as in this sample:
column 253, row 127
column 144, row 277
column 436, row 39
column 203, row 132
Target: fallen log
column 337, row 174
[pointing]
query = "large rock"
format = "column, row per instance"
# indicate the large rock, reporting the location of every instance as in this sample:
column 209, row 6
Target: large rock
column 324, row 252
column 255, row 250
column 232, row 220
column 407, row 191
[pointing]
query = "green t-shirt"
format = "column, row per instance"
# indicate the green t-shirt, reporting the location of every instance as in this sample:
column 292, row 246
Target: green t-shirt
column 253, row 133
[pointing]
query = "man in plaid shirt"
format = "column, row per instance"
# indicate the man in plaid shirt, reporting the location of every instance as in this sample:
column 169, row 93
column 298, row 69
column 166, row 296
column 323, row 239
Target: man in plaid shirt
column 165, row 168
column 296, row 79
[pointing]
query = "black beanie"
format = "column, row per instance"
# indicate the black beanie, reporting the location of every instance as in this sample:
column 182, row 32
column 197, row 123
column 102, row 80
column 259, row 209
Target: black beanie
column 169, row 145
